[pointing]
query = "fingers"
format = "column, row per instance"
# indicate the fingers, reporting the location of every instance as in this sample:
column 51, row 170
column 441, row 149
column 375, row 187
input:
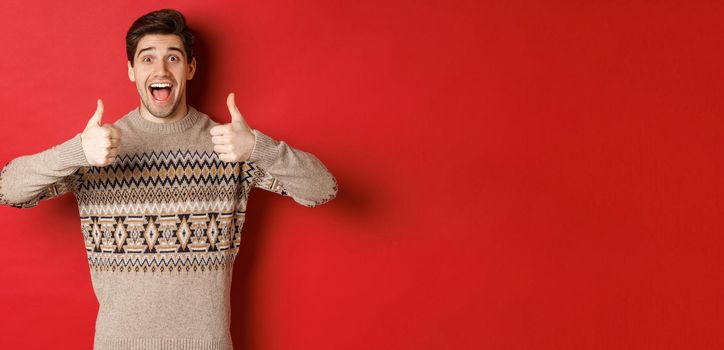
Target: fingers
column 220, row 140
column 220, row 130
column 231, row 104
column 232, row 140
column 223, row 148
column 225, row 157
column 111, row 153
column 101, row 142
column 95, row 120
column 114, row 143
column 114, row 131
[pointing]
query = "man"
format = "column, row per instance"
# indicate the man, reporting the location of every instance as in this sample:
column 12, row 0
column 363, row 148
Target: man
column 162, row 197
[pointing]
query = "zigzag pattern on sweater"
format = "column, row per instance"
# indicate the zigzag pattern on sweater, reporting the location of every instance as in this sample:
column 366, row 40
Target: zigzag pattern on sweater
column 170, row 168
column 167, row 262
column 154, row 208
column 164, row 194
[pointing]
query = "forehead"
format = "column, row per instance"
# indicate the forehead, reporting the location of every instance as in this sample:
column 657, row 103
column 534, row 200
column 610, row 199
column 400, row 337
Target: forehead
column 159, row 42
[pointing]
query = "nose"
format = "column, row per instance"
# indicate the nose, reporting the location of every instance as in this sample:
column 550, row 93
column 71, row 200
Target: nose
column 160, row 68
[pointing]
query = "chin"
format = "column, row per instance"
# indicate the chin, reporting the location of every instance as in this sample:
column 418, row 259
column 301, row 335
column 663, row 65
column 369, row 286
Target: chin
column 162, row 112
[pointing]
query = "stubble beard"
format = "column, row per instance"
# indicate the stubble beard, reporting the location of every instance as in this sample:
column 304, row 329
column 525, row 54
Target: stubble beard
column 159, row 113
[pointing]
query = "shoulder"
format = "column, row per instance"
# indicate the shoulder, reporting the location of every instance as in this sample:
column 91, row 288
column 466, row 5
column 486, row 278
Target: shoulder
column 204, row 120
column 125, row 121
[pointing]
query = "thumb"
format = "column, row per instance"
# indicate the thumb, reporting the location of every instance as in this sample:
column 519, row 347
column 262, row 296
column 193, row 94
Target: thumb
column 235, row 114
column 95, row 120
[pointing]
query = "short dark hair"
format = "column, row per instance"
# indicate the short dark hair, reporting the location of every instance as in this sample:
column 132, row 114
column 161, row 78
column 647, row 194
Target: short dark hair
column 166, row 21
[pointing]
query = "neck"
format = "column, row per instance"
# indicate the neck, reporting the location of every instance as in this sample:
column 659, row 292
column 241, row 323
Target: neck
column 179, row 114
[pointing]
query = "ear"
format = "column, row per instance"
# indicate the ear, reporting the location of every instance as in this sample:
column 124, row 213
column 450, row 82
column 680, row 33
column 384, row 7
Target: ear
column 192, row 69
column 131, row 74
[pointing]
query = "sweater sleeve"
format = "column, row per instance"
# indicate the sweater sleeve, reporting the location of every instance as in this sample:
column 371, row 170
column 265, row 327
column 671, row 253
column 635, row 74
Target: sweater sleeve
column 291, row 172
column 26, row 180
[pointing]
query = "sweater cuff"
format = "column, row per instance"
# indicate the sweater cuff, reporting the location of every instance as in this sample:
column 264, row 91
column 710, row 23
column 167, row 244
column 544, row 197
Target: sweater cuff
column 70, row 153
column 265, row 151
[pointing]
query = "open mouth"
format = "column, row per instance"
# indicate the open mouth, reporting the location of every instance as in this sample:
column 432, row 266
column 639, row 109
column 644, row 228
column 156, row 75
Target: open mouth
column 161, row 92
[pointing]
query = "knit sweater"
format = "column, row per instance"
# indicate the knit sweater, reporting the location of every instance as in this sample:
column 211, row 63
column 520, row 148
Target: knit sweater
column 162, row 224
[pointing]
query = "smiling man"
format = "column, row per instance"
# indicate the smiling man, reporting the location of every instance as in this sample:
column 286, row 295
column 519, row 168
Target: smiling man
column 162, row 196
column 162, row 91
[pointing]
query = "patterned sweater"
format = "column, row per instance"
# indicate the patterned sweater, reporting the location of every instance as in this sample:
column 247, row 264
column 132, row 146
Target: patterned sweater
column 162, row 224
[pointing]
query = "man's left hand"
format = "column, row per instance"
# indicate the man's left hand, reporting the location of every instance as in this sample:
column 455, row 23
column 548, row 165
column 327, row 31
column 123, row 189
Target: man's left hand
column 233, row 142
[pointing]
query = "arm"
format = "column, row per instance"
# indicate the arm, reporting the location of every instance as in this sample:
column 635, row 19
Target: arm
column 26, row 180
column 277, row 166
column 291, row 172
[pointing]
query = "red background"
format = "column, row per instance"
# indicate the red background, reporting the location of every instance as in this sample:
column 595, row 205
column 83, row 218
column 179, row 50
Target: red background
column 512, row 174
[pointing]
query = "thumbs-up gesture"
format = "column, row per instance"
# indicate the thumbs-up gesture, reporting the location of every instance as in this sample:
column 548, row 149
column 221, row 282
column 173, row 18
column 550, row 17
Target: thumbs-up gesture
column 100, row 142
column 233, row 142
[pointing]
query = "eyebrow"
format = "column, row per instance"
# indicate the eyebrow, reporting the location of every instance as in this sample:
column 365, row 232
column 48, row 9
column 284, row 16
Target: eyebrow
column 150, row 48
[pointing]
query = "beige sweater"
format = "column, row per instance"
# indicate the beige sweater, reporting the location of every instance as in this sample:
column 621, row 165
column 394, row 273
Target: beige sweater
column 162, row 224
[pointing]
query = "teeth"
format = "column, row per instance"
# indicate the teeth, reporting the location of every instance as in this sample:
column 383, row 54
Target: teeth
column 161, row 85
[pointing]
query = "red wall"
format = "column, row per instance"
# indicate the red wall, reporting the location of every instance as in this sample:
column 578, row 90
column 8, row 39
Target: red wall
column 512, row 174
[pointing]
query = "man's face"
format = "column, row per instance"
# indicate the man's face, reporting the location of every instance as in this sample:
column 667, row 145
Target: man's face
column 160, row 70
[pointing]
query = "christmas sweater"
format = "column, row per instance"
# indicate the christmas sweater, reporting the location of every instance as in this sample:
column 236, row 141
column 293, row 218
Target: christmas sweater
column 162, row 224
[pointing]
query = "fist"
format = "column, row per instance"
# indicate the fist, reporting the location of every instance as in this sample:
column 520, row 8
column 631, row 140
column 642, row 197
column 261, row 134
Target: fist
column 233, row 142
column 100, row 142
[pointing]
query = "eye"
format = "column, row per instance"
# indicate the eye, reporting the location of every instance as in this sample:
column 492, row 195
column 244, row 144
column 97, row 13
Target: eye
column 173, row 59
column 146, row 59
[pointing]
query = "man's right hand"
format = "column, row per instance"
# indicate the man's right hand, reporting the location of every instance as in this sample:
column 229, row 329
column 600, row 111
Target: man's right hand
column 100, row 142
